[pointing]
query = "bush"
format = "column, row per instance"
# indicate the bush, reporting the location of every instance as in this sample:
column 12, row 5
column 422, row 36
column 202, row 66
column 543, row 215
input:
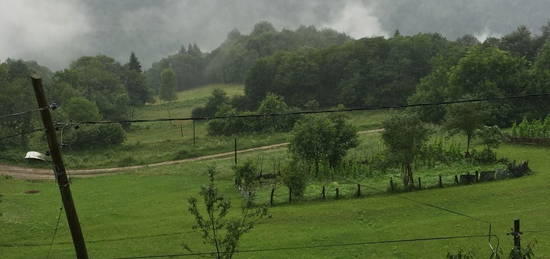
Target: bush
column 295, row 178
column 485, row 156
column 98, row 135
column 246, row 176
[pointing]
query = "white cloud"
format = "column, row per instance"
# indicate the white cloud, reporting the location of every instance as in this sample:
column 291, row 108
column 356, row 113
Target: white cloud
column 41, row 30
column 357, row 20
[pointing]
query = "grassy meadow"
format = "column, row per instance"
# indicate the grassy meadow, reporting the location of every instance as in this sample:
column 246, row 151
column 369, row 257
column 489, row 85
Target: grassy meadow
column 144, row 212
column 164, row 141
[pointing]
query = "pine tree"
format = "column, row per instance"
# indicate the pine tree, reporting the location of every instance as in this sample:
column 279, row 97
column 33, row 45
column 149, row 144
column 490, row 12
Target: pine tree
column 134, row 64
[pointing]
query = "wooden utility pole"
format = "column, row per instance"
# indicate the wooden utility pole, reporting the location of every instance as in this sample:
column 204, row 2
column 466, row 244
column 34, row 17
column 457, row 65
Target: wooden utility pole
column 59, row 170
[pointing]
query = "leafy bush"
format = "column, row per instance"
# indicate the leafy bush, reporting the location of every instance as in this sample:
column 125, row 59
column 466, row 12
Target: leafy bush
column 246, row 176
column 295, row 178
column 532, row 129
column 98, row 135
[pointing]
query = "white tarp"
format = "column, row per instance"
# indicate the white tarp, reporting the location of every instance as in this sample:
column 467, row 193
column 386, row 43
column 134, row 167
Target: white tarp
column 35, row 155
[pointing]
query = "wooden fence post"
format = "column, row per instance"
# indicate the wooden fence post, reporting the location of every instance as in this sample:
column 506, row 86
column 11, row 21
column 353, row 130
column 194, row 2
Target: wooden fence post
column 289, row 195
column 440, row 182
column 358, row 190
column 323, row 193
column 477, row 177
column 272, row 193
column 337, row 193
column 419, row 183
column 391, row 184
column 456, row 179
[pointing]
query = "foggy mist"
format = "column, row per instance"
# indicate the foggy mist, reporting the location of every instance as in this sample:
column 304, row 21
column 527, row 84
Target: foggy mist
column 55, row 32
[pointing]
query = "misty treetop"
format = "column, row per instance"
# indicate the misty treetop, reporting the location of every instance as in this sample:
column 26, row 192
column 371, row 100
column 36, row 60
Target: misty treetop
column 231, row 61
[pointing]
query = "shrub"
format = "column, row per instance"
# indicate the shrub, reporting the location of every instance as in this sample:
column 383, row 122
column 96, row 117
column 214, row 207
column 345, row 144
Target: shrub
column 295, row 178
column 246, row 176
column 98, row 135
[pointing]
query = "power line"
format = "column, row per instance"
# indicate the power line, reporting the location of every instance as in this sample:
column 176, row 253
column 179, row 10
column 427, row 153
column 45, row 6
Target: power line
column 17, row 114
column 21, row 134
column 314, row 246
column 368, row 108
column 55, row 231
column 100, row 240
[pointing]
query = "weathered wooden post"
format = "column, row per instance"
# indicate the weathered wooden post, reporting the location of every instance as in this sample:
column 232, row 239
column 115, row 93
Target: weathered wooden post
column 391, row 184
column 440, row 182
column 419, row 183
column 337, row 193
column 289, row 195
column 456, row 179
column 358, row 190
column 477, row 177
column 323, row 193
column 272, row 194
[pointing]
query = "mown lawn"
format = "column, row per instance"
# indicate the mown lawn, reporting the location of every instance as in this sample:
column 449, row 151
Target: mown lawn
column 143, row 204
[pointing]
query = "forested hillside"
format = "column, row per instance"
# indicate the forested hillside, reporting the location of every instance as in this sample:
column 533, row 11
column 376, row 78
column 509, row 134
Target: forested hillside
column 230, row 62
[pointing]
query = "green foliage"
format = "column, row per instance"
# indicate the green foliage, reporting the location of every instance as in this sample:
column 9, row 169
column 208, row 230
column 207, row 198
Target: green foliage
column 461, row 255
column 465, row 118
column 490, row 136
column 168, row 85
column 404, row 136
column 294, row 176
column 532, row 129
column 218, row 98
column 246, row 176
column 222, row 234
column 370, row 71
column 16, row 95
column 317, row 140
column 100, row 80
column 97, row 136
column 226, row 127
column 80, row 109
column 136, row 86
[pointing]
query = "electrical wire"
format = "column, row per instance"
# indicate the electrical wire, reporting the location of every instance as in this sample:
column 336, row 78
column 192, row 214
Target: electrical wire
column 55, row 231
column 21, row 134
column 100, row 240
column 369, row 108
column 20, row 113
column 313, row 246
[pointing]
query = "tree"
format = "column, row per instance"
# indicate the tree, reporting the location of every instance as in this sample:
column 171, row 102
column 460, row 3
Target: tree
column 491, row 136
column 404, row 136
column 137, row 89
column 217, row 231
column 487, row 72
column 80, row 109
column 246, row 177
column 465, row 118
column 134, row 64
column 320, row 139
column 168, row 85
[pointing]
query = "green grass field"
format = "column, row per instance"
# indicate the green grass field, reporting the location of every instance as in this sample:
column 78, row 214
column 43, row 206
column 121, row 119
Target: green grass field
column 129, row 214
column 164, row 141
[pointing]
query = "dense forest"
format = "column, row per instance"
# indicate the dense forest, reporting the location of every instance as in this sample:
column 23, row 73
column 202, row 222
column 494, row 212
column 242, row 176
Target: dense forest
column 230, row 62
column 288, row 70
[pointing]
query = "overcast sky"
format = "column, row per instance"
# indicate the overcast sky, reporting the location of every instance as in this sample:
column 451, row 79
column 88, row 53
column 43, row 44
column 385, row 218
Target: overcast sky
column 55, row 32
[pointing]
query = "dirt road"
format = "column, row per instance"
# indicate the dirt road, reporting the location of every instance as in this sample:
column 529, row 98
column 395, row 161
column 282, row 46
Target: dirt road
column 47, row 174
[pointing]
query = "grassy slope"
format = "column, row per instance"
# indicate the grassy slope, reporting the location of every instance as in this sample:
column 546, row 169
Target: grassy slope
column 153, row 201
column 163, row 141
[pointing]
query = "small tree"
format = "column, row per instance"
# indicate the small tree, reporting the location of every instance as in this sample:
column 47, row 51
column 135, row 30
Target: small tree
column 221, row 233
column 168, row 85
column 404, row 136
column 321, row 139
column 490, row 136
column 246, row 178
column 465, row 118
